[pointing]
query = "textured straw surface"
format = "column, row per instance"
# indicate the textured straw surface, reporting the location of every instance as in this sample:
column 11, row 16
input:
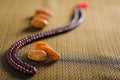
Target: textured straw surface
column 89, row 52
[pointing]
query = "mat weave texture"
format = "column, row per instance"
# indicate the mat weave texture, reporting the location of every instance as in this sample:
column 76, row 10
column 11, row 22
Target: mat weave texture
column 89, row 52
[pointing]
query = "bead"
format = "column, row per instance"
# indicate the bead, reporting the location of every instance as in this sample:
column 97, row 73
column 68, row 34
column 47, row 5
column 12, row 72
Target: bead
column 23, row 67
column 82, row 5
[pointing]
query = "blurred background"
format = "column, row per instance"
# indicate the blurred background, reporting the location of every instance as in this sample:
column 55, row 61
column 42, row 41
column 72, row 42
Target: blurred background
column 89, row 52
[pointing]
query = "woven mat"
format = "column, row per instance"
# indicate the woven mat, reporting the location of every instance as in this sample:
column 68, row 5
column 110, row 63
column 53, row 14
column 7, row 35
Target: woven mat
column 89, row 52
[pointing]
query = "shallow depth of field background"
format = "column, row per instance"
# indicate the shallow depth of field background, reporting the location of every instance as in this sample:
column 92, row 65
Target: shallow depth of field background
column 89, row 52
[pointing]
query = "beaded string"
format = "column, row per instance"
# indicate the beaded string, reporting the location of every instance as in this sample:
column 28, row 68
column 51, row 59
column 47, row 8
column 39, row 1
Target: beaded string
column 13, row 59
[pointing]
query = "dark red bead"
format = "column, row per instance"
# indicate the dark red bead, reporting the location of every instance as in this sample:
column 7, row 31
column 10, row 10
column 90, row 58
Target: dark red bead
column 18, row 64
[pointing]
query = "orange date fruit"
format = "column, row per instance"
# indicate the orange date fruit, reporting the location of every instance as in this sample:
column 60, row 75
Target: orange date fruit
column 40, row 44
column 39, row 22
column 43, row 11
column 43, row 16
column 37, row 55
column 52, row 54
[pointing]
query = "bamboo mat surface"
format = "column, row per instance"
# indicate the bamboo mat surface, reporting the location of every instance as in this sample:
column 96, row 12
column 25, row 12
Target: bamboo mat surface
column 89, row 52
